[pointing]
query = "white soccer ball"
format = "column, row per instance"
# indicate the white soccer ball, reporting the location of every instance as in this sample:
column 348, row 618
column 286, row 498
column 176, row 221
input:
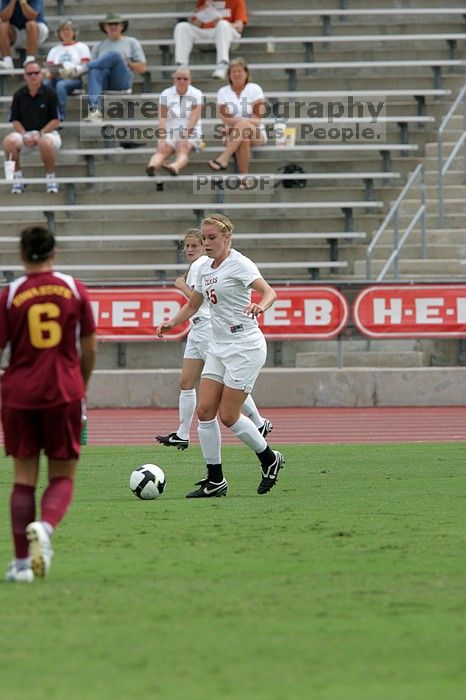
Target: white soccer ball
column 147, row 482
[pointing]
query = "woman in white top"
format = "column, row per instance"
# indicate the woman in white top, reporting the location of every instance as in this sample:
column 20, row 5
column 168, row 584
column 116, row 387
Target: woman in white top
column 197, row 345
column 180, row 128
column 66, row 63
column 235, row 357
column 241, row 108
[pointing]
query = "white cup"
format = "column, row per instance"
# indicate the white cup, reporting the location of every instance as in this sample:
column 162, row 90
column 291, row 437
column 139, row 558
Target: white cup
column 270, row 45
column 290, row 136
column 9, row 166
column 279, row 129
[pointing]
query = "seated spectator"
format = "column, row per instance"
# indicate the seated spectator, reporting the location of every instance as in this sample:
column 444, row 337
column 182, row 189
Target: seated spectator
column 23, row 26
column 180, row 127
column 222, row 23
column 241, row 107
column 114, row 60
column 35, row 119
column 64, row 62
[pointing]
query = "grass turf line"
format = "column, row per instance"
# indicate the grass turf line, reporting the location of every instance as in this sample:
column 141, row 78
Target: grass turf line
column 346, row 581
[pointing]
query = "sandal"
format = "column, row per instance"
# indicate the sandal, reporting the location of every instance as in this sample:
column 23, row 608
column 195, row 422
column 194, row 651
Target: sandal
column 216, row 165
column 150, row 171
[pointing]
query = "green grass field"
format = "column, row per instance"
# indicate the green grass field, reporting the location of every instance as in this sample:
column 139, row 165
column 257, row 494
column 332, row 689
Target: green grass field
column 346, row 582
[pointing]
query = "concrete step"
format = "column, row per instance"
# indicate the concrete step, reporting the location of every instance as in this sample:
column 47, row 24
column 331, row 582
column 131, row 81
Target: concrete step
column 367, row 358
column 332, row 387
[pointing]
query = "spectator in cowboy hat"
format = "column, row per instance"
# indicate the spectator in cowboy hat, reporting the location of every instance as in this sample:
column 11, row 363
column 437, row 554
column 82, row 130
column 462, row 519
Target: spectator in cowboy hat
column 114, row 60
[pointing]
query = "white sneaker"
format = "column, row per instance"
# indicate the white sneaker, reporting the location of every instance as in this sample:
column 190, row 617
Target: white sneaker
column 6, row 63
column 51, row 186
column 16, row 575
column 94, row 115
column 40, row 549
column 221, row 71
column 17, row 187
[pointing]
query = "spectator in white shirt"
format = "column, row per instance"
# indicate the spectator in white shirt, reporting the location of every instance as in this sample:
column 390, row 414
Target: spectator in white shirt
column 64, row 62
column 241, row 108
column 180, row 128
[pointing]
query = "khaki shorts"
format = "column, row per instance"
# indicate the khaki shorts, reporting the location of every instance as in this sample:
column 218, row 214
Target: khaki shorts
column 54, row 136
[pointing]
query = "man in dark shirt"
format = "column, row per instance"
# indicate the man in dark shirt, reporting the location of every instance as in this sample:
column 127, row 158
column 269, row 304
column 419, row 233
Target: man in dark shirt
column 23, row 26
column 35, row 118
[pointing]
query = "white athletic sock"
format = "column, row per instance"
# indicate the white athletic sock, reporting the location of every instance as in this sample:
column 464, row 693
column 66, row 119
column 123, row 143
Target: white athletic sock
column 186, row 408
column 246, row 431
column 211, row 440
column 250, row 410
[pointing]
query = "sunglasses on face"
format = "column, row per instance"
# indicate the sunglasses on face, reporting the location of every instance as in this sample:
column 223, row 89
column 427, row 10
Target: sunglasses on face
column 182, row 78
column 33, row 72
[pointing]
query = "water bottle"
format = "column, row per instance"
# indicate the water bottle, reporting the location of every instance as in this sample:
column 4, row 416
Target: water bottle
column 83, row 430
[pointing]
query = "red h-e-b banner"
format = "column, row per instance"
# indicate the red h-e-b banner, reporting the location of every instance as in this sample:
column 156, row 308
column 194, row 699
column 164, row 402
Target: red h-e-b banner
column 385, row 311
column 411, row 311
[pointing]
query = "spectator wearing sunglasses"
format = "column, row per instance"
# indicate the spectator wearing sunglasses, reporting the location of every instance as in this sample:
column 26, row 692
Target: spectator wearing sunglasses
column 180, row 129
column 35, row 119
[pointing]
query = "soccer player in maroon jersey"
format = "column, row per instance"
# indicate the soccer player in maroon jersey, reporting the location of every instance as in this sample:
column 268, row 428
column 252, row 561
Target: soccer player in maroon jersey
column 46, row 319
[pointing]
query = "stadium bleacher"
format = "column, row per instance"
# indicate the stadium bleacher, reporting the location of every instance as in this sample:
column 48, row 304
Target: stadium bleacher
column 413, row 58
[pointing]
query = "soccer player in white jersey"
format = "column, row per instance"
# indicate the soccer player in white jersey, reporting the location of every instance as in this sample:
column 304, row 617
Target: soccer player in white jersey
column 197, row 345
column 235, row 357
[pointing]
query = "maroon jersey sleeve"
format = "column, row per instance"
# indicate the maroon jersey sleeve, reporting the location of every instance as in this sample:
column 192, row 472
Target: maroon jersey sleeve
column 4, row 331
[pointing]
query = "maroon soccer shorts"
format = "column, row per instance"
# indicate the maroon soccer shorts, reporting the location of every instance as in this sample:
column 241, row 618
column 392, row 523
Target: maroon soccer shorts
column 57, row 431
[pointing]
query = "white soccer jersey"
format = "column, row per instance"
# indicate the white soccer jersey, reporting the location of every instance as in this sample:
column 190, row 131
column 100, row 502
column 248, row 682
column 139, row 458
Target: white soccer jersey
column 227, row 289
column 204, row 310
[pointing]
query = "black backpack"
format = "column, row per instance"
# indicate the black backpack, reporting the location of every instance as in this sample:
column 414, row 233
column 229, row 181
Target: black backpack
column 288, row 170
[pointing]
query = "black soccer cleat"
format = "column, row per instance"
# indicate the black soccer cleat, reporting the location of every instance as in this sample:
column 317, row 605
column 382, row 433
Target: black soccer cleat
column 172, row 440
column 266, row 428
column 270, row 473
column 209, row 489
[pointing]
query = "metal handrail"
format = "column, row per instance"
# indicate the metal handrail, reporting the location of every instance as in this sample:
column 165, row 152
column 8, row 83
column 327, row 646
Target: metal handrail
column 442, row 168
column 398, row 242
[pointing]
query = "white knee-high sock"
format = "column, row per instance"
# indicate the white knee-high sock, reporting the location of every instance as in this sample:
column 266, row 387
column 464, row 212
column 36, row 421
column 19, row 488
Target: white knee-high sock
column 246, row 431
column 211, row 441
column 250, row 410
column 186, row 408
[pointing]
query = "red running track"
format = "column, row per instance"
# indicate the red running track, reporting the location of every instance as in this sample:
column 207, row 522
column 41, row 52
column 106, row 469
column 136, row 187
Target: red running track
column 138, row 426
